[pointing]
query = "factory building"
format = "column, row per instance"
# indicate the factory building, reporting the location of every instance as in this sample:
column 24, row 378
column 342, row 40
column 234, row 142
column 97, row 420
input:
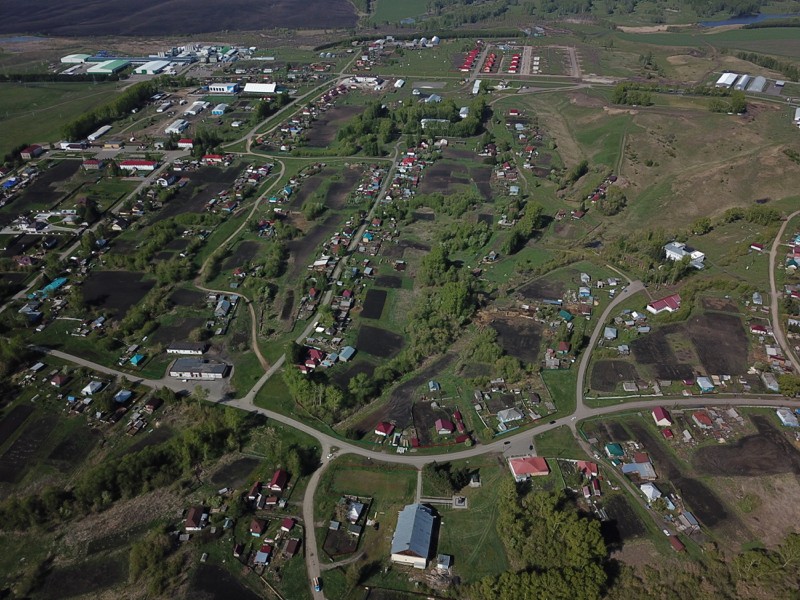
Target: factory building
column 177, row 127
column 223, row 88
column 260, row 88
column 154, row 67
column 108, row 67
column 74, row 59
column 726, row 80
column 758, row 84
column 219, row 109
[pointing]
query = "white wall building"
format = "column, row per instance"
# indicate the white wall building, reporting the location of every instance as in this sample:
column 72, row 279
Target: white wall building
column 678, row 251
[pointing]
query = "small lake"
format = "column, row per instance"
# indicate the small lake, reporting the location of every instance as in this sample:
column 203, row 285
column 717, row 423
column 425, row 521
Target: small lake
column 746, row 20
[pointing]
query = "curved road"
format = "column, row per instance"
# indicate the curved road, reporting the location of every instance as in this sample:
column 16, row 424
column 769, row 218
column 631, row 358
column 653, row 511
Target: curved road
column 775, row 295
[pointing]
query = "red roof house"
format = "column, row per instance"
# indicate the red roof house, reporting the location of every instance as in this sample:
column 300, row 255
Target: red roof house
column 287, row 524
column 661, row 417
column 444, row 426
column 384, row 428
column 588, row 468
column 677, row 545
column 668, row 304
column 279, row 480
column 528, row 466
column 702, row 420
column 258, row 527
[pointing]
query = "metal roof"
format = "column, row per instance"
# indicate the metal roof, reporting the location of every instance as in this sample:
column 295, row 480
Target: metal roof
column 414, row 531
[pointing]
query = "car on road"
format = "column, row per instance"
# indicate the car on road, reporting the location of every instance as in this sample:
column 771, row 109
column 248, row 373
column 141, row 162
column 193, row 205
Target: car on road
column 666, row 531
column 552, row 422
column 317, row 585
column 506, row 443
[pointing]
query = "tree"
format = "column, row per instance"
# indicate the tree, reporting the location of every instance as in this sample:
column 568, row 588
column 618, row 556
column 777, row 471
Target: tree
column 702, row 226
column 789, row 384
column 613, row 202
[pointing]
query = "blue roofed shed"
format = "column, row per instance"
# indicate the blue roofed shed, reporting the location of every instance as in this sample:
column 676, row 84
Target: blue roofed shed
column 137, row 359
column 347, row 353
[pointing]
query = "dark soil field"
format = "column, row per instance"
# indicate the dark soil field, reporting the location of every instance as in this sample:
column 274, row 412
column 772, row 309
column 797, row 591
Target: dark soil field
column 179, row 17
column 192, row 199
column 373, row 304
column 486, row 218
column 453, row 153
column 14, row 420
column 309, row 186
column 398, row 408
column 700, row 499
column 766, row 453
column 303, row 248
column 41, row 192
column 324, row 130
column 481, row 177
column 73, row 449
column 499, row 402
column 288, row 306
column 720, row 341
column 424, row 215
column 115, row 291
column 159, row 436
column 336, row 198
column 184, row 297
column 540, row 289
column 12, row 282
column 624, row 525
column 389, row 281
column 211, row 582
column 654, row 350
column 244, row 253
column 23, row 243
column 379, row 342
column 442, row 177
column 720, row 304
column 19, row 457
column 236, row 473
column 339, row 542
column 520, row 339
column 607, row 374
column 85, row 578
column 178, row 332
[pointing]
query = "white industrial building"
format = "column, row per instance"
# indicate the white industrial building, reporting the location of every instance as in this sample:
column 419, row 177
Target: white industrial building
column 154, row 67
column 758, row 84
column 178, row 126
column 99, row 133
column 223, row 88
column 726, row 80
column 399, row 83
column 476, row 87
column 742, row 82
column 678, row 251
column 74, row 59
column 196, row 368
column 219, row 109
column 797, row 116
column 260, row 88
column 193, row 348
column 197, row 107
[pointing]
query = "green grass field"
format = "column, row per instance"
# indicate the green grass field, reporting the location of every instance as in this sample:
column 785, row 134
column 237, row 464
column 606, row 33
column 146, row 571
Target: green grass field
column 36, row 112
column 557, row 443
column 782, row 41
column 391, row 11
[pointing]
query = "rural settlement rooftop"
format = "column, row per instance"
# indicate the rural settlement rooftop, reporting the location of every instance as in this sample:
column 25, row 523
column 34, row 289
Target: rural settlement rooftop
column 414, row 531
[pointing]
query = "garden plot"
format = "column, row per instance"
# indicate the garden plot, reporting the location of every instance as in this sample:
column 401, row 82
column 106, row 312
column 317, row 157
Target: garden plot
column 236, row 473
column 543, row 289
column 211, row 582
column 19, row 457
column 379, row 342
column 520, row 339
column 654, row 351
column 86, row 578
column 114, row 292
column 244, row 253
column 204, row 184
column 374, row 302
column 14, row 420
column 184, row 297
column 443, row 177
column 608, row 374
column 389, row 281
column 176, row 332
column 720, row 341
column 323, row 131
column 623, row 524
column 303, row 248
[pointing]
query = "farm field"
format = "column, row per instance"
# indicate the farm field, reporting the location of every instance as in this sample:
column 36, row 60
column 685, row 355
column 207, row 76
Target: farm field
column 392, row 12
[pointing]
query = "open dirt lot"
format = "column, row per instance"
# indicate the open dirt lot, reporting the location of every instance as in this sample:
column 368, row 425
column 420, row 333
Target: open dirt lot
column 700, row 499
column 301, row 249
column 179, row 17
column 178, row 332
column 654, row 351
column 373, row 304
column 73, row 449
column 211, row 582
column 389, row 281
column 338, row 543
column 766, row 453
column 42, row 193
column 608, row 374
column 481, row 177
column 720, row 341
column 115, row 291
column 379, row 342
column 184, row 297
column 520, row 339
column 338, row 192
column 324, row 130
column 542, row 289
column 442, row 177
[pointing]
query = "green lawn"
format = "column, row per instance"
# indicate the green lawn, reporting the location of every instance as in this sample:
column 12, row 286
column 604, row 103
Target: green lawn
column 561, row 384
column 470, row 536
column 557, row 443
column 391, row 11
column 36, row 112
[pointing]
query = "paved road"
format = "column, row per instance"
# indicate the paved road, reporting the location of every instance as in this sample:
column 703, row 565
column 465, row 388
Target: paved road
column 777, row 327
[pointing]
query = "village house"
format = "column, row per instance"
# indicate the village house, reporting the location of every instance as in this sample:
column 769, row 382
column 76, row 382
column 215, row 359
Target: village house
column 525, row 467
column 279, row 480
column 661, row 417
column 196, row 519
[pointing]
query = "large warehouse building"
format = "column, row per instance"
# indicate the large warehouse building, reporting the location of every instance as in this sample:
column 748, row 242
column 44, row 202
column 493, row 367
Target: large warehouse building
column 197, row 368
column 260, row 88
column 727, row 80
column 154, row 67
column 74, row 59
column 223, row 88
column 108, row 67
column 177, row 127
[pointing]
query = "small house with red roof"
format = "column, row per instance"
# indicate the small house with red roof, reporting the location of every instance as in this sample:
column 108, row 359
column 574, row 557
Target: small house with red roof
column 255, row 490
column 213, row 159
column 32, row 151
column 287, row 524
column 279, row 480
column 92, row 164
column 588, row 468
column 137, row 164
column 444, row 426
column 258, row 527
column 757, row 247
column 525, row 467
column 563, row 348
column 676, row 544
column 185, row 144
column 702, row 420
column 667, row 433
column 384, row 428
column 668, row 304
column 758, row 329
column 661, row 417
